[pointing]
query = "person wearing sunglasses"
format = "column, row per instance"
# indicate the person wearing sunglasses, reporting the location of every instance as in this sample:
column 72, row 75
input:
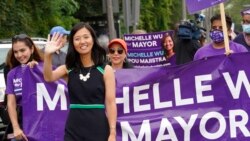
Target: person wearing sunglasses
column 217, row 47
column 117, row 53
column 168, row 48
column 91, row 85
column 244, row 37
column 24, row 53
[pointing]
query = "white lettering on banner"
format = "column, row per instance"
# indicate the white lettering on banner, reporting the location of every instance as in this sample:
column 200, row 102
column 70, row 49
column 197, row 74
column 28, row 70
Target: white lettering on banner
column 200, row 88
column 156, row 94
column 157, row 36
column 159, row 53
column 144, row 44
column 140, row 96
column 165, row 124
column 138, row 38
column 152, row 60
column 141, row 54
column 202, row 84
column 177, row 90
column 222, row 127
column 127, row 132
column 145, row 54
column 186, row 127
column 238, row 124
column 124, row 100
column 42, row 93
column 146, row 129
column 241, row 79
column 134, row 60
column 153, row 65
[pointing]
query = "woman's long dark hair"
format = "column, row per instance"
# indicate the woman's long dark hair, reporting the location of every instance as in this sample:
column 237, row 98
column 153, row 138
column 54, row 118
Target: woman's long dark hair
column 98, row 54
column 36, row 55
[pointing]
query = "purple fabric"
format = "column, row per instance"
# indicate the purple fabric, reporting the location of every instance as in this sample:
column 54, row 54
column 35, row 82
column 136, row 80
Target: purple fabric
column 197, row 5
column 44, row 115
column 198, row 101
column 149, row 109
column 145, row 50
column 172, row 60
column 14, row 82
column 209, row 50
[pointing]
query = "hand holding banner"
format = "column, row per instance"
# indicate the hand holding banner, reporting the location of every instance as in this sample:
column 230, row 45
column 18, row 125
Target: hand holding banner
column 45, row 106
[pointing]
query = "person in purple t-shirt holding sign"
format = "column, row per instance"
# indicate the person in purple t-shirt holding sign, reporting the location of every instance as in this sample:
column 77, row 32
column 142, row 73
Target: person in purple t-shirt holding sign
column 24, row 52
column 217, row 47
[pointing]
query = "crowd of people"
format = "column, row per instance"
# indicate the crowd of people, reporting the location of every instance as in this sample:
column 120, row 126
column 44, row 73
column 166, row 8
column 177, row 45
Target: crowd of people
column 89, row 73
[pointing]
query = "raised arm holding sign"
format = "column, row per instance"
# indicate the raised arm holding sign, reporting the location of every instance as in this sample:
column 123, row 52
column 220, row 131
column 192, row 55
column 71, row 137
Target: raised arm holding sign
column 197, row 5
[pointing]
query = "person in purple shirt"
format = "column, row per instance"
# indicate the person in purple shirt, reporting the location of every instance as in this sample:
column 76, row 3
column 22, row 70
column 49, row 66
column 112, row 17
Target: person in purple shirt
column 168, row 47
column 24, row 52
column 217, row 47
column 244, row 37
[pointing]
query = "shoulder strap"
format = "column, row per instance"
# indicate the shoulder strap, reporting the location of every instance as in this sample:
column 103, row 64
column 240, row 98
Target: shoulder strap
column 100, row 69
column 69, row 70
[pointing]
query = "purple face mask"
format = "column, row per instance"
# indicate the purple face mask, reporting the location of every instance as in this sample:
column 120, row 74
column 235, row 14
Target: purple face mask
column 217, row 36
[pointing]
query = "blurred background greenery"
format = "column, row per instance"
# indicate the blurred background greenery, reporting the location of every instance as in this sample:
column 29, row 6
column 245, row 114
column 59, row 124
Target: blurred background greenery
column 36, row 18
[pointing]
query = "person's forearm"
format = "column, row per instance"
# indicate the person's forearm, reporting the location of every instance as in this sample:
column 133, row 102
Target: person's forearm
column 47, row 68
column 112, row 116
column 13, row 115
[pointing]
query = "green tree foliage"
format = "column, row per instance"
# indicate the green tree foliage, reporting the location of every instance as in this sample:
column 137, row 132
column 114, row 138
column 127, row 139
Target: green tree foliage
column 233, row 8
column 33, row 17
column 159, row 15
column 88, row 8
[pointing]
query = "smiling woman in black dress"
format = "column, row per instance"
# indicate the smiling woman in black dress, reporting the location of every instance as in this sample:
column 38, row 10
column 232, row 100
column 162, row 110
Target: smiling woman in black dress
column 91, row 85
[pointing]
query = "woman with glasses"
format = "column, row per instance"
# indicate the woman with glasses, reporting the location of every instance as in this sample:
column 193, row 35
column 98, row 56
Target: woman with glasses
column 168, row 48
column 91, row 85
column 117, row 52
column 24, row 52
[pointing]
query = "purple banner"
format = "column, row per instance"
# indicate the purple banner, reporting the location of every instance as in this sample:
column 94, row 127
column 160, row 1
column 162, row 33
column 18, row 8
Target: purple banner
column 44, row 106
column 203, row 100
column 197, row 5
column 145, row 50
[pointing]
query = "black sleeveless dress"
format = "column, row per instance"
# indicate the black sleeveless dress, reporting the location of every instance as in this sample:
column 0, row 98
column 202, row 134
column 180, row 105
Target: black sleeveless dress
column 89, row 124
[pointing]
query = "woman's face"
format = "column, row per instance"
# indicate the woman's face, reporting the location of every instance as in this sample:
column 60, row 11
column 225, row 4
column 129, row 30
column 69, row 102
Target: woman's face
column 83, row 41
column 168, row 43
column 117, row 54
column 22, row 52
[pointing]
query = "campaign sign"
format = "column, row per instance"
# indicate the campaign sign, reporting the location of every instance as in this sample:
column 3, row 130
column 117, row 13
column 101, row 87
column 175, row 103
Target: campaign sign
column 197, row 5
column 145, row 50
column 203, row 100
column 45, row 106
